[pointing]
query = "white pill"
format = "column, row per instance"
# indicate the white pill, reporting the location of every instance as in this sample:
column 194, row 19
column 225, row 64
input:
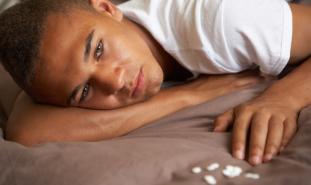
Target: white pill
column 232, row 171
column 209, row 179
column 227, row 173
column 212, row 167
column 252, row 175
column 230, row 167
column 196, row 170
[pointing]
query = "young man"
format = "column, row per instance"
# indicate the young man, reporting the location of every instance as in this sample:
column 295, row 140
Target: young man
column 99, row 59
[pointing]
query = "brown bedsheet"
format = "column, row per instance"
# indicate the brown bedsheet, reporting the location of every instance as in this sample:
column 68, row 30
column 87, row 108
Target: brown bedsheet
column 161, row 153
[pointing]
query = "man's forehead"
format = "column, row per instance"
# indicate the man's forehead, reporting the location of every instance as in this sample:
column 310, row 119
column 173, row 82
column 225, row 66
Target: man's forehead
column 72, row 15
column 71, row 19
column 61, row 50
column 63, row 38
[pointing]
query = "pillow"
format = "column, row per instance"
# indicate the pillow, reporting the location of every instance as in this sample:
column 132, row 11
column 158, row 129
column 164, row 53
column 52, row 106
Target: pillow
column 8, row 93
column 2, row 121
column 4, row 4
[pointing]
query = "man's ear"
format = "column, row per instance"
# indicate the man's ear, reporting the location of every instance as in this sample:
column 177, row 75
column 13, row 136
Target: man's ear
column 108, row 8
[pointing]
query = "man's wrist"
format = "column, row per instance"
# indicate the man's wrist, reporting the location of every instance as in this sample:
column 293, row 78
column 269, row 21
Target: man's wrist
column 287, row 97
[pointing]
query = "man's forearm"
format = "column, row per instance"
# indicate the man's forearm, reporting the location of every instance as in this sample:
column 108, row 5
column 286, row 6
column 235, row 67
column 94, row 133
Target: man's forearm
column 295, row 88
column 31, row 124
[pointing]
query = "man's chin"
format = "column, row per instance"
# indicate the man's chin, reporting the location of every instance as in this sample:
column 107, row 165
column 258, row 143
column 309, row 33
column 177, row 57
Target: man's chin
column 153, row 92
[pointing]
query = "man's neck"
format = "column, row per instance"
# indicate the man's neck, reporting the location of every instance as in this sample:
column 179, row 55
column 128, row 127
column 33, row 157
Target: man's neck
column 171, row 68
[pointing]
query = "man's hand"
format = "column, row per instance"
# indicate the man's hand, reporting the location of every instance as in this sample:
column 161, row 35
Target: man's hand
column 211, row 86
column 270, row 120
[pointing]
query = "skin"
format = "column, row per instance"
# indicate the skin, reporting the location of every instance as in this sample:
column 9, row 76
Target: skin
column 116, row 58
column 270, row 118
column 31, row 123
column 119, row 53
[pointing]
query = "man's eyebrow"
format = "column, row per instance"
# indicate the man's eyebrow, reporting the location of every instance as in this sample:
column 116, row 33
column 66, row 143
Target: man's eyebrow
column 88, row 45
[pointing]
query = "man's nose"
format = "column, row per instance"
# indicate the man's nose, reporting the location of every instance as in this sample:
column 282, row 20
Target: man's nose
column 109, row 81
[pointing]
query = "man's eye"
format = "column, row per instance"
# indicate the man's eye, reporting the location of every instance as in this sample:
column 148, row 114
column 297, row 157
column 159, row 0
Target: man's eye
column 99, row 50
column 85, row 92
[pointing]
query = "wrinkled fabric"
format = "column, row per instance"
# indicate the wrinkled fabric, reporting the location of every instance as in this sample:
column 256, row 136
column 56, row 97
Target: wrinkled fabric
column 161, row 153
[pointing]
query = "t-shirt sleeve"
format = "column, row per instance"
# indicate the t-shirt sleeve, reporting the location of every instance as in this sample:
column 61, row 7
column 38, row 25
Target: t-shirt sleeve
column 258, row 32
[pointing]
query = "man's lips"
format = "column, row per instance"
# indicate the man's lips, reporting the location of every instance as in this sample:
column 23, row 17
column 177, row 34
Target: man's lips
column 139, row 84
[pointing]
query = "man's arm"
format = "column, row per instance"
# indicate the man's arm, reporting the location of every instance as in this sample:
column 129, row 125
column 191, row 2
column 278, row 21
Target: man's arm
column 31, row 123
column 271, row 117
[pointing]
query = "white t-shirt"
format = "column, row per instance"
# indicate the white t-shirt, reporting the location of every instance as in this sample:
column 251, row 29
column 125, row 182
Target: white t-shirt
column 219, row 36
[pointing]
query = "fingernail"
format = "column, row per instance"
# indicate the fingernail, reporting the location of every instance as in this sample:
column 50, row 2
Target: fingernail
column 215, row 129
column 256, row 160
column 282, row 148
column 268, row 157
column 239, row 154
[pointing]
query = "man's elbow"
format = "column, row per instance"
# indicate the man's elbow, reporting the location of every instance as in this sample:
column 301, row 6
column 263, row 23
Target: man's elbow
column 21, row 135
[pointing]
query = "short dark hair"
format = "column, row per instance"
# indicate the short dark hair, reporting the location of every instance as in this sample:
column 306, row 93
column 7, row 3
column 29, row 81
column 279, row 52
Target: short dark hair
column 21, row 28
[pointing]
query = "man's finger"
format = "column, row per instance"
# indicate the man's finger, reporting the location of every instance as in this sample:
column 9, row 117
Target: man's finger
column 251, row 80
column 290, row 128
column 274, row 139
column 239, row 132
column 258, row 136
column 223, row 121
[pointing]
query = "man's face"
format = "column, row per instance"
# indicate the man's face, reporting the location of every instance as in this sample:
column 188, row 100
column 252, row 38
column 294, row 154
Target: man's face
column 94, row 61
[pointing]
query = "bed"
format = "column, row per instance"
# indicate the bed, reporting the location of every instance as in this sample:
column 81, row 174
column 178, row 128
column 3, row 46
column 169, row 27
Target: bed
column 161, row 153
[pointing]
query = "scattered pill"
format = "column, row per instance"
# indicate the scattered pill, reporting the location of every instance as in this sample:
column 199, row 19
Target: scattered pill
column 212, row 167
column 196, row 170
column 232, row 171
column 209, row 179
column 229, row 171
column 252, row 175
